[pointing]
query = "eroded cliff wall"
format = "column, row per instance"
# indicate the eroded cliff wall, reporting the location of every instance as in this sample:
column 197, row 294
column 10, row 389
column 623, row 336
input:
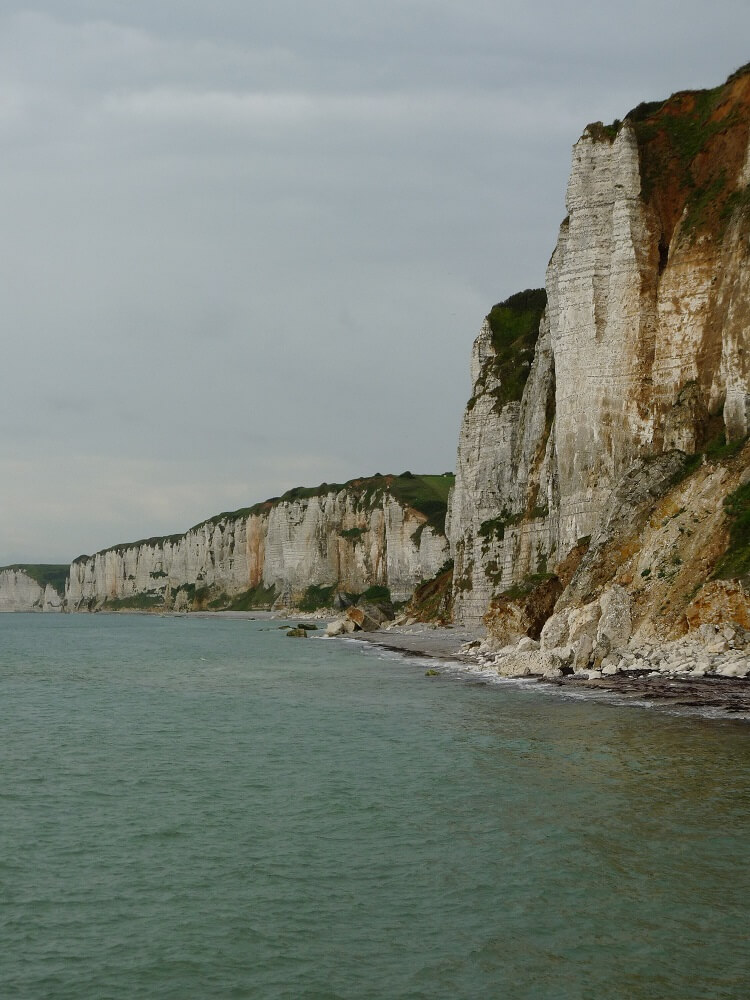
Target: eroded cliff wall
column 643, row 348
column 384, row 531
column 32, row 588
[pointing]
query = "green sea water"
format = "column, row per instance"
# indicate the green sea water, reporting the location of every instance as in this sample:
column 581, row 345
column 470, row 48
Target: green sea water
column 196, row 808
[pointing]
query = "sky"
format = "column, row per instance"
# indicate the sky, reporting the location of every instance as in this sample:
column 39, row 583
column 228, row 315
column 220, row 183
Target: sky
column 247, row 245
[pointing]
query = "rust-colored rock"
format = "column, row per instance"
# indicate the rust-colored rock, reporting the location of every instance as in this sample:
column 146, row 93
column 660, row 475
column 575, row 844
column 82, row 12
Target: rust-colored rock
column 362, row 619
column 718, row 602
column 433, row 600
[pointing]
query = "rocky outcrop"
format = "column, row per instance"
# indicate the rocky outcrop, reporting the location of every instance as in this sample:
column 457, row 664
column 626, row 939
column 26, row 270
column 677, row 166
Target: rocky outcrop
column 625, row 437
column 432, row 601
column 300, row 549
column 720, row 601
column 711, row 651
column 498, row 515
column 362, row 617
column 32, row 588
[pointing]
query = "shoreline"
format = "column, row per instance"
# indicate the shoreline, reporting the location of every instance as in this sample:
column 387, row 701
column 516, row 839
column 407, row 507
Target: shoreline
column 719, row 697
column 716, row 697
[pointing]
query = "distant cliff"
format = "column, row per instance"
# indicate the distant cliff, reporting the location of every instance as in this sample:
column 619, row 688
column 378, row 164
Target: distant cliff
column 603, row 443
column 297, row 550
column 27, row 587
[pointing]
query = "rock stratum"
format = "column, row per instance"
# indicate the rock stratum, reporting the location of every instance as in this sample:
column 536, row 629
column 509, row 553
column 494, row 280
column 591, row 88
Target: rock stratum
column 602, row 489
column 298, row 550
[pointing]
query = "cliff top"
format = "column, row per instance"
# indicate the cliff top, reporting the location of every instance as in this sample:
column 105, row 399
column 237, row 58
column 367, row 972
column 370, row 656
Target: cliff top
column 692, row 149
column 43, row 573
column 427, row 494
column 515, row 328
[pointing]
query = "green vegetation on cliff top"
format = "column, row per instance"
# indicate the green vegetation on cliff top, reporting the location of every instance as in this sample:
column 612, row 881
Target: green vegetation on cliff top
column 43, row 573
column 515, row 328
column 692, row 146
column 672, row 136
column 426, row 494
column 122, row 546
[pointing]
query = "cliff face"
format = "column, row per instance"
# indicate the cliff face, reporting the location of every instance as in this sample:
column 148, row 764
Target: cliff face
column 299, row 549
column 643, row 351
column 32, row 588
column 497, row 517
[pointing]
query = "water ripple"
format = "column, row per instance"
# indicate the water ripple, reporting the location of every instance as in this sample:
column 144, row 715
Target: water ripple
column 191, row 809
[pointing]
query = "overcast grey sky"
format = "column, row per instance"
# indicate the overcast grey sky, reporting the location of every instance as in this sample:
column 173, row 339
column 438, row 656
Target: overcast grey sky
column 247, row 246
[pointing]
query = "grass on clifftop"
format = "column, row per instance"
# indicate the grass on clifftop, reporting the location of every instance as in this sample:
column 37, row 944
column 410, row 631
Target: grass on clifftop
column 43, row 573
column 692, row 147
column 418, row 491
column 123, row 546
column 515, row 329
column 426, row 494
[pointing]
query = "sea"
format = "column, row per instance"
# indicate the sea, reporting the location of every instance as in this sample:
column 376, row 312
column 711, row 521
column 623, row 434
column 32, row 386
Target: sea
column 205, row 808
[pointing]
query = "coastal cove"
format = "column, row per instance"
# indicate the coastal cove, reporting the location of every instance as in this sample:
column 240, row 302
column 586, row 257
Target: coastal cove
column 200, row 806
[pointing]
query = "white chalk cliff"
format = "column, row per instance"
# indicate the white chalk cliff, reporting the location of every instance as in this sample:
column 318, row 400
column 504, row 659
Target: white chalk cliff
column 20, row 591
column 642, row 354
column 348, row 538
